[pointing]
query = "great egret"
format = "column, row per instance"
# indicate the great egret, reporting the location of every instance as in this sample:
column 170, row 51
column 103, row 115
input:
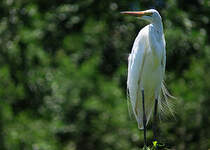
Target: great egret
column 146, row 69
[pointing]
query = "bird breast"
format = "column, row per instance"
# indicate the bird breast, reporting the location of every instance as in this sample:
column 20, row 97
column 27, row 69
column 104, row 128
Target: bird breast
column 152, row 74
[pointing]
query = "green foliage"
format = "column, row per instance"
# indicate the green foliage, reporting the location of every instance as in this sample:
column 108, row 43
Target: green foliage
column 63, row 68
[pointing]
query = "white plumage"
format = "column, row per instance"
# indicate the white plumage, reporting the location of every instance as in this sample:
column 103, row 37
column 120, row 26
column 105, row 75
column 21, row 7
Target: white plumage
column 146, row 66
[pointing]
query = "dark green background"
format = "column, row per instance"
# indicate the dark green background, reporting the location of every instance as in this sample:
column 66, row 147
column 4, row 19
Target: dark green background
column 63, row 69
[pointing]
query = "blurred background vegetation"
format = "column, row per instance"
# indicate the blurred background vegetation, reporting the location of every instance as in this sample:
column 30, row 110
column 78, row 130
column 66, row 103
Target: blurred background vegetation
column 63, row 68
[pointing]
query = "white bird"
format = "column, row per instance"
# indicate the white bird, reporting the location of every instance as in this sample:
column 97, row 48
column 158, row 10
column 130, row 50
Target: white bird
column 146, row 69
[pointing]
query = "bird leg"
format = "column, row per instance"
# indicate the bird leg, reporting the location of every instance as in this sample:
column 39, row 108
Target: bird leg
column 155, row 120
column 144, row 118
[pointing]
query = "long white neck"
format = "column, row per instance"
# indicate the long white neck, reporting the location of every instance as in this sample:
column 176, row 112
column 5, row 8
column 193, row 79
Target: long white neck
column 156, row 37
column 158, row 27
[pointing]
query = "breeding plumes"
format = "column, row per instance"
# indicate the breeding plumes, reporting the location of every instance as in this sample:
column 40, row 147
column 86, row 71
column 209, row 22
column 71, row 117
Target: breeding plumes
column 146, row 69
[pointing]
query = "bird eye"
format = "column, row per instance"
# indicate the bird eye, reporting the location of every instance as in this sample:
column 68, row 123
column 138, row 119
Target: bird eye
column 149, row 14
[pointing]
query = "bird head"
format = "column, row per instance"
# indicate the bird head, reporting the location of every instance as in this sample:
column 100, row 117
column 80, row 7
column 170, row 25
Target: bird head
column 150, row 15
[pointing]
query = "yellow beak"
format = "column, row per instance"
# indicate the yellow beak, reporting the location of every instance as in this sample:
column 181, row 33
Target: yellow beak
column 136, row 13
